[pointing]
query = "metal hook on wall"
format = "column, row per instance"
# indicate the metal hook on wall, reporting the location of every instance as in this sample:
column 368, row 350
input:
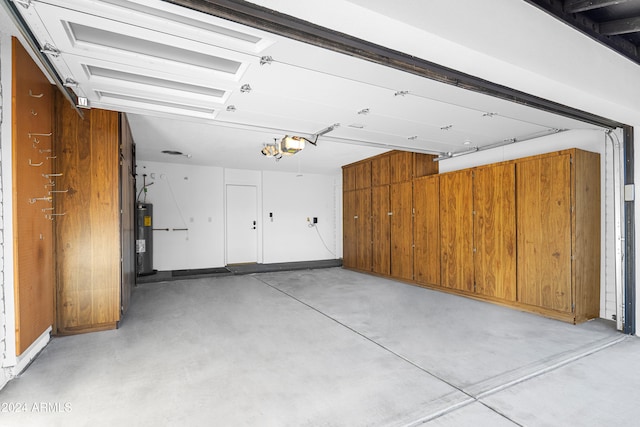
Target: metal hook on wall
column 42, row 199
column 40, row 134
column 58, row 191
column 40, row 95
column 35, row 164
column 54, row 215
column 49, row 175
column 33, row 112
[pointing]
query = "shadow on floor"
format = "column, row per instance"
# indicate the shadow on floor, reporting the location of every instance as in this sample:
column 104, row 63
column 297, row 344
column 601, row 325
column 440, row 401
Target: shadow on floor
column 235, row 269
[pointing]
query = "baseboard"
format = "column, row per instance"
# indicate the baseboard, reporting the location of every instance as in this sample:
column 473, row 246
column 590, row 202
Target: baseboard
column 23, row 361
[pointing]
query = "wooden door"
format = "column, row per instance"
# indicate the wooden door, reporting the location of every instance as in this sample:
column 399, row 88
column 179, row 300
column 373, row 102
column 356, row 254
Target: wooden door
column 349, row 229
column 544, row 232
column 426, row 230
column 33, row 201
column 402, row 230
column 456, row 230
column 381, row 230
column 363, row 229
column 494, row 231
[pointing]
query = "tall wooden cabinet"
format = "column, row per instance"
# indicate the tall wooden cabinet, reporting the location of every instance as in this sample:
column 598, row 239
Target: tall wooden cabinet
column 378, row 206
column 89, row 245
column 32, row 100
column 558, row 217
column 524, row 233
column 357, row 216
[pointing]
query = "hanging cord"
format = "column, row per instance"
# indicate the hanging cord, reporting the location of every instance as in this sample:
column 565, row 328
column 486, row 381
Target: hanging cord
column 144, row 188
column 173, row 196
column 311, row 225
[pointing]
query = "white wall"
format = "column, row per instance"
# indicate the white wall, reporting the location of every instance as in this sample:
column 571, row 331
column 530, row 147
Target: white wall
column 184, row 196
column 292, row 198
column 5, row 139
column 193, row 197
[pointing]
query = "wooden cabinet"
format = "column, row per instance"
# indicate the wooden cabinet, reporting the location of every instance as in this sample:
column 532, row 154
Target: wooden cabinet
column 494, row 231
column 401, row 204
column 89, row 249
column 33, row 214
column 558, row 214
column 456, row 230
column 389, row 221
column 524, row 233
column 426, row 230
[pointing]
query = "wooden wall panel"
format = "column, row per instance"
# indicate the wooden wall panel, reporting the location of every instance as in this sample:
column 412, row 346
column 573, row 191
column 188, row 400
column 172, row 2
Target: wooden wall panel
column 32, row 107
column 381, row 230
column 456, row 230
column 88, row 235
column 426, row 228
column 544, row 232
column 494, row 230
column 402, row 230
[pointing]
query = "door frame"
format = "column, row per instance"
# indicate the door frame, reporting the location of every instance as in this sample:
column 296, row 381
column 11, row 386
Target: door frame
column 258, row 220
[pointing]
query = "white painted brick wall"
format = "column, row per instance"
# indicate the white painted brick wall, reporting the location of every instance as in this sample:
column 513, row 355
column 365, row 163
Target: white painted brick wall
column 3, row 331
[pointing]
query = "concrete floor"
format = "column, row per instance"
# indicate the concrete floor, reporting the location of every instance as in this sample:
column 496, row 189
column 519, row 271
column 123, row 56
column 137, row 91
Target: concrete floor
column 328, row 347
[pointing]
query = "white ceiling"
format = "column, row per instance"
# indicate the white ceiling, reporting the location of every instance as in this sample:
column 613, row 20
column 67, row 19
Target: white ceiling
column 179, row 74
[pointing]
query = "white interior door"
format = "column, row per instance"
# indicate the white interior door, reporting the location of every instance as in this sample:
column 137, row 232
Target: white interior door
column 242, row 228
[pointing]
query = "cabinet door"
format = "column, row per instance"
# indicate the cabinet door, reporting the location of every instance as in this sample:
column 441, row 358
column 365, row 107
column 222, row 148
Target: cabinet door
column 348, row 178
column 363, row 175
column 544, row 232
column 401, row 166
column 363, row 226
column 381, row 227
column 402, row 230
column 349, row 230
column 494, row 231
column 426, row 230
column 380, row 170
column 456, row 230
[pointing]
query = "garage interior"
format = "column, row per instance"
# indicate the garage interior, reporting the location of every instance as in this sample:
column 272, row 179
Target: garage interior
column 265, row 145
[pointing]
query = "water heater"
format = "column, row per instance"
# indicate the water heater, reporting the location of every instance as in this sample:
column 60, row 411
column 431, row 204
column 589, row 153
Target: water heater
column 144, row 239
